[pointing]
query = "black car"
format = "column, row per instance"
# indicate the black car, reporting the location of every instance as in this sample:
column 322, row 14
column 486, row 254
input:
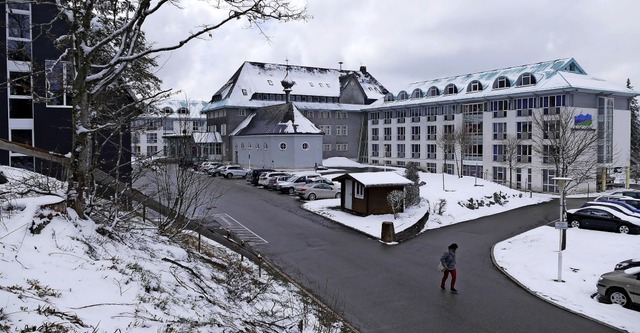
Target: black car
column 603, row 218
column 254, row 175
column 627, row 264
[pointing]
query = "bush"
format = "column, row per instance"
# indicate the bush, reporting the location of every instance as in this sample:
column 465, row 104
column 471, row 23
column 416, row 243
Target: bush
column 396, row 201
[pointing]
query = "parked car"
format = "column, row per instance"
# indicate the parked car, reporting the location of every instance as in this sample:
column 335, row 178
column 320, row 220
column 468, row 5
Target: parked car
column 275, row 180
column 603, row 218
column 628, row 200
column 254, row 175
column 627, row 193
column 615, row 205
column 208, row 165
column 627, row 264
column 234, row 171
column 313, row 191
column 215, row 171
column 620, row 287
column 289, row 186
column 264, row 178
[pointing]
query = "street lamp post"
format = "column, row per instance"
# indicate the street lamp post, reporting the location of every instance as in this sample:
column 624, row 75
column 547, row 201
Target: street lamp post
column 562, row 224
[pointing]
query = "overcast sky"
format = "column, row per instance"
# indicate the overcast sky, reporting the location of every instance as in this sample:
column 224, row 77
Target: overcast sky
column 405, row 41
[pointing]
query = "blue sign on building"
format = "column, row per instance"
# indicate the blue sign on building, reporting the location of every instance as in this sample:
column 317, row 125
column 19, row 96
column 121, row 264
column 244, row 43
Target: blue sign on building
column 582, row 120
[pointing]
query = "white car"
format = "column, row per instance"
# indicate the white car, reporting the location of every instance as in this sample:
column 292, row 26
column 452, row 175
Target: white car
column 264, row 178
column 234, row 171
column 289, row 186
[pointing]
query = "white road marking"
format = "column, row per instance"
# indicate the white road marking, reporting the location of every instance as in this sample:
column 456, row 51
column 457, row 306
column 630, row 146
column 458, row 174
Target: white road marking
column 239, row 229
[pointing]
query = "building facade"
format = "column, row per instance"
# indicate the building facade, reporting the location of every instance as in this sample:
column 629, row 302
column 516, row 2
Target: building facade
column 330, row 98
column 494, row 108
column 170, row 127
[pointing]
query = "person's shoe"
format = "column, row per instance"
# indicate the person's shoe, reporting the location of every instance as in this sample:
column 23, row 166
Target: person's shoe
column 443, row 288
column 454, row 291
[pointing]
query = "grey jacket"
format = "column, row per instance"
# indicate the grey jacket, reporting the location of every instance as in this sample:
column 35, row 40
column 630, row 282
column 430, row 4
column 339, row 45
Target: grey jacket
column 448, row 260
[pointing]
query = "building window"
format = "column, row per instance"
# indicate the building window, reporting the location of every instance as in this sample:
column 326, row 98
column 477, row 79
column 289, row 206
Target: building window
column 309, row 114
column 552, row 104
column 18, row 50
column 374, row 117
column 283, row 146
column 401, row 115
column 523, row 130
column 375, row 134
column 501, row 82
column 498, row 153
column 415, row 151
column 387, row 150
column 548, row 183
column 432, row 133
column 242, row 112
column 433, row 91
column 499, row 174
column 341, row 130
column 431, row 151
column 605, row 130
column 375, row 150
column 326, row 147
column 152, row 137
column 401, row 151
column 325, row 128
column 305, row 146
column 432, row 167
column 59, row 82
column 152, row 150
column 20, row 108
column 20, row 83
column 387, row 134
column 450, row 89
column 415, row 133
column 19, row 25
column 22, row 136
column 549, row 152
column 401, row 133
column 342, row 147
column 389, row 97
column 341, row 115
column 244, row 92
column 403, row 95
column 499, row 131
column 417, row 93
column 523, row 153
column 474, row 86
column 526, row 79
column 359, row 191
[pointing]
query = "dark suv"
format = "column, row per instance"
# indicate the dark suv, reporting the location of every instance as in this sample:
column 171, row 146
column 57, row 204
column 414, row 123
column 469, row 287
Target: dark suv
column 254, row 175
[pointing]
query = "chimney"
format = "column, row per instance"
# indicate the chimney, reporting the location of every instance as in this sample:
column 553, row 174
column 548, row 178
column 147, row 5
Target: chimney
column 363, row 69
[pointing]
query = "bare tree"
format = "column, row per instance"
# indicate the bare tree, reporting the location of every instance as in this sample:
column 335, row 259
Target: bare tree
column 447, row 143
column 464, row 139
column 511, row 155
column 570, row 149
column 104, row 43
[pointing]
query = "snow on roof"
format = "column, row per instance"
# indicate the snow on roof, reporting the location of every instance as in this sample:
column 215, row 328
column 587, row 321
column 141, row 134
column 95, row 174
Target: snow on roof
column 554, row 75
column 201, row 137
column 169, row 108
column 375, row 179
column 276, row 119
column 256, row 77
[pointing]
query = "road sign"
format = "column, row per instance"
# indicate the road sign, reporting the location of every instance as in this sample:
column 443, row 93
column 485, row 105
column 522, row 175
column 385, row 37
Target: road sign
column 562, row 225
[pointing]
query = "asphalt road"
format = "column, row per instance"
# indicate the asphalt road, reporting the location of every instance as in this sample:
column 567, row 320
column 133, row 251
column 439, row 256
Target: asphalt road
column 382, row 288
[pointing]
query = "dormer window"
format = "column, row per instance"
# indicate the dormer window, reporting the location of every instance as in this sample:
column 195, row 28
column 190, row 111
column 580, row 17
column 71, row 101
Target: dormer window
column 501, row 82
column 474, row 86
column 270, row 82
column 433, row 91
column 417, row 93
column 526, row 79
column 167, row 110
column 389, row 97
column 403, row 95
column 328, row 86
column 311, row 84
column 183, row 110
column 320, row 84
column 244, row 92
column 450, row 89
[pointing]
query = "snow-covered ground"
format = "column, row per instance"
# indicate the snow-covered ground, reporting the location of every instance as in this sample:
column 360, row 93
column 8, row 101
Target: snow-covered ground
column 530, row 258
column 59, row 273
column 72, row 273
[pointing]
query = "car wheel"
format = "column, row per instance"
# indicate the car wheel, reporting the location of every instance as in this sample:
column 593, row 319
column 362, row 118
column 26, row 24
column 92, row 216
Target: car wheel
column 623, row 229
column 312, row 196
column 618, row 296
column 575, row 224
column 337, row 195
column 229, row 175
column 291, row 190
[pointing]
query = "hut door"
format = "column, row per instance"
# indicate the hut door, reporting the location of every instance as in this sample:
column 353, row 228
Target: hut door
column 348, row 193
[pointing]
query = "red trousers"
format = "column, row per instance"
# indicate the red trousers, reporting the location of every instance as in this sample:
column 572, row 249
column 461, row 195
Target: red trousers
column 453, row 278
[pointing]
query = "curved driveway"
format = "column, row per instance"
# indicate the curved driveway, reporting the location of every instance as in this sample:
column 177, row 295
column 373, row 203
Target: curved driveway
column 382, row 288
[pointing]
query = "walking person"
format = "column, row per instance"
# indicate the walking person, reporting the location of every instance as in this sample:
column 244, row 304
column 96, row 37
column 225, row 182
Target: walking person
column 448, row 260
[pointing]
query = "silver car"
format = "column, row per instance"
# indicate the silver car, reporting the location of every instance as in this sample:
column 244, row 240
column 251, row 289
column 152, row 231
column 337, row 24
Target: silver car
column 620, row 287
column 313, row 191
